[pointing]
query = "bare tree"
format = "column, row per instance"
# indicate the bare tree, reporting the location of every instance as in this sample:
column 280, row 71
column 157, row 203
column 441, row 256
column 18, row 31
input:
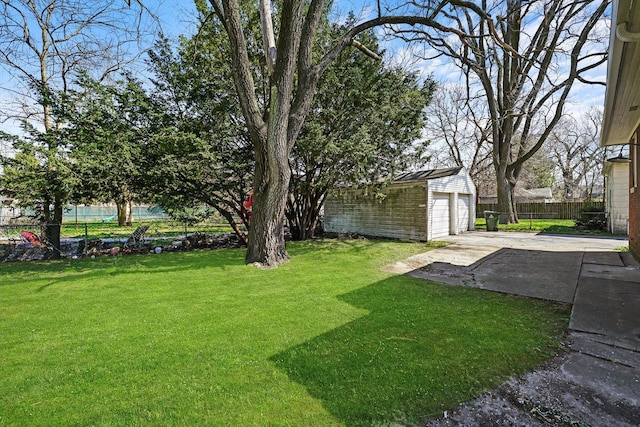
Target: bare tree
column 43, row 45
column 525, row 56
column 458, row 127
column 46, row 43
column 574, row 145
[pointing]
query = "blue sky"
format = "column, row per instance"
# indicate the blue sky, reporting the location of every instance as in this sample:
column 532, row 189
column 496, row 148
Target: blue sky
column 177, row 17
column 583, row 96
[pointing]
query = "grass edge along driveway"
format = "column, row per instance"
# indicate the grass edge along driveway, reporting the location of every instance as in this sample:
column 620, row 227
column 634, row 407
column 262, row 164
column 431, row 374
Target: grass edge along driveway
column 201, row 339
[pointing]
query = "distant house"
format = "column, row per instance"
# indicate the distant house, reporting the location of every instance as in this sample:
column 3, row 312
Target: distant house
column 616, row 178
column 421, row 205
column 533, row 195
column 621, row 120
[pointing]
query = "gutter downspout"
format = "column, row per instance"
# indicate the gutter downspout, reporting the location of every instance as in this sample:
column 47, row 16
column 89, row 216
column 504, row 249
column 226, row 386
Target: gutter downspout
column 626, row 36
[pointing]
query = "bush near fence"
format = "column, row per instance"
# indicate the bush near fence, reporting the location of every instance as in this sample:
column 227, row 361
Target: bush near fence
column 559, row 210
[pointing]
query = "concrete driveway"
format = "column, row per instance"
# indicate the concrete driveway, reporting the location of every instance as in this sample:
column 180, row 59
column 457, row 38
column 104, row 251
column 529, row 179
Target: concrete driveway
column 534, row 265
column 597, row 382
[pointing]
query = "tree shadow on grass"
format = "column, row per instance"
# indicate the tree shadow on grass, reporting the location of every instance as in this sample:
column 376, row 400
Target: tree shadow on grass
column 71, row 270
column 422, row 349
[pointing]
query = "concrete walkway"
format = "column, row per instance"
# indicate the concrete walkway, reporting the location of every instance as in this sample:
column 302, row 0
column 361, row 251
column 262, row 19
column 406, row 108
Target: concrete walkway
column 597, row 382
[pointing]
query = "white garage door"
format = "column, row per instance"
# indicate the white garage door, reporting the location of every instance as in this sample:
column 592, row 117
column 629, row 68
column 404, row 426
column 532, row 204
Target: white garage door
column 464, row 202
column 440, row 215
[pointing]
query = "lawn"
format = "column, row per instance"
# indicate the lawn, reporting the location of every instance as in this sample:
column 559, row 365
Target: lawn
column 198, row 338
column 549, row 226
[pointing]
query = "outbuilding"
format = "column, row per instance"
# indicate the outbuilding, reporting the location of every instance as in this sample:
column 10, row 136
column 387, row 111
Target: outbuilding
column 424, row 205
column 616, row 181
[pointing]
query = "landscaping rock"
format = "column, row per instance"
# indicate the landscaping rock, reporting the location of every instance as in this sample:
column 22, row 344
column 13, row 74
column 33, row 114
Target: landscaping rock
column 28, row 252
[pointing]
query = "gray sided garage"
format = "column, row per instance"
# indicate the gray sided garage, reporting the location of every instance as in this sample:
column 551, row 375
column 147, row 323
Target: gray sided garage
column 422, row 205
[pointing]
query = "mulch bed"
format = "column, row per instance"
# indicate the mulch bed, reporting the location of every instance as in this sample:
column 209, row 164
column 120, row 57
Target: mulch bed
column 25, row 251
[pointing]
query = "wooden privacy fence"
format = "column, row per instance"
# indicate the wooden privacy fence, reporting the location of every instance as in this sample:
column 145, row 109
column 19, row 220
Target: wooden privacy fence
column 561, row 210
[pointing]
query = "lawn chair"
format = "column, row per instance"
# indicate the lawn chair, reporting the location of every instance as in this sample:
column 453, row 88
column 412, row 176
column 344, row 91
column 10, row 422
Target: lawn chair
column 137, row 237
column 31, row 238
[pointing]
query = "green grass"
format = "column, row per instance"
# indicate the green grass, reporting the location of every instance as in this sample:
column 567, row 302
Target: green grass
column 199, row 338
column 101, row 230
column 549, row 226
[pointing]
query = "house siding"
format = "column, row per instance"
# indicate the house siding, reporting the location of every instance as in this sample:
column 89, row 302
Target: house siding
column 401, row 215
column 617, row 205
column 634, row 195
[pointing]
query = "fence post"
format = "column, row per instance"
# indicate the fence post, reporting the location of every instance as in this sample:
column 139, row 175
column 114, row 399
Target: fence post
column 86, row 240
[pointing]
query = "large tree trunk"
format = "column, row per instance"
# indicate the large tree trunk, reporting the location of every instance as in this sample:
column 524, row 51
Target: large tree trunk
column 506, row 203
column 266, row 244
column 270, row 137
column 569, row 185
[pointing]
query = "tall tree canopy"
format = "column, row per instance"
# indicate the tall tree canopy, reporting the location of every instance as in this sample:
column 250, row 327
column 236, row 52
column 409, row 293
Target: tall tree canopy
column 458, row 125
column 576, row 152
column 108, row 128
column 201, row 159
column 360, row 131
column 43, row 47
column 525, row 57
column 294, row 72
column 363, row 121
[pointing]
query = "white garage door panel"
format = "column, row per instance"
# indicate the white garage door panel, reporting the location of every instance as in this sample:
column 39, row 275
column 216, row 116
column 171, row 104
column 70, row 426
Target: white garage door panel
column 440, row 215
column 463, row 212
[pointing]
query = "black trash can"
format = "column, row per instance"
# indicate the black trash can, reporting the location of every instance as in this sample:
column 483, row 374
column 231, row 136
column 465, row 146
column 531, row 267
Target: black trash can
column 492, row 218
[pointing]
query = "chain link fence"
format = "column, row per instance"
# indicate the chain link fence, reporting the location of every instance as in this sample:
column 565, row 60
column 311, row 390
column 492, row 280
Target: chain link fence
column 28, row 241
column 79, row 214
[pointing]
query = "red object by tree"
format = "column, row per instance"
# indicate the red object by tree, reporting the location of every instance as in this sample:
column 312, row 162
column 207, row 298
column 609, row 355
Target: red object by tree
column 31, row 238
column 248, row 204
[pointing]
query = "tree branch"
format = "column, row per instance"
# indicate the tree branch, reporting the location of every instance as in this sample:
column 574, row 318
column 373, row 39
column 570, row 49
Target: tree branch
column 365, row 50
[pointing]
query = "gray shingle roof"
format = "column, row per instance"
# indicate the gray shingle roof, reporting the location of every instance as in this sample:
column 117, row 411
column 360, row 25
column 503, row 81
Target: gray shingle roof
column 427, row 174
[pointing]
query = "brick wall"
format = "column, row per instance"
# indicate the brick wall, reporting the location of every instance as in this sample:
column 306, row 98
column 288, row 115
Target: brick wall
column 634, row 195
